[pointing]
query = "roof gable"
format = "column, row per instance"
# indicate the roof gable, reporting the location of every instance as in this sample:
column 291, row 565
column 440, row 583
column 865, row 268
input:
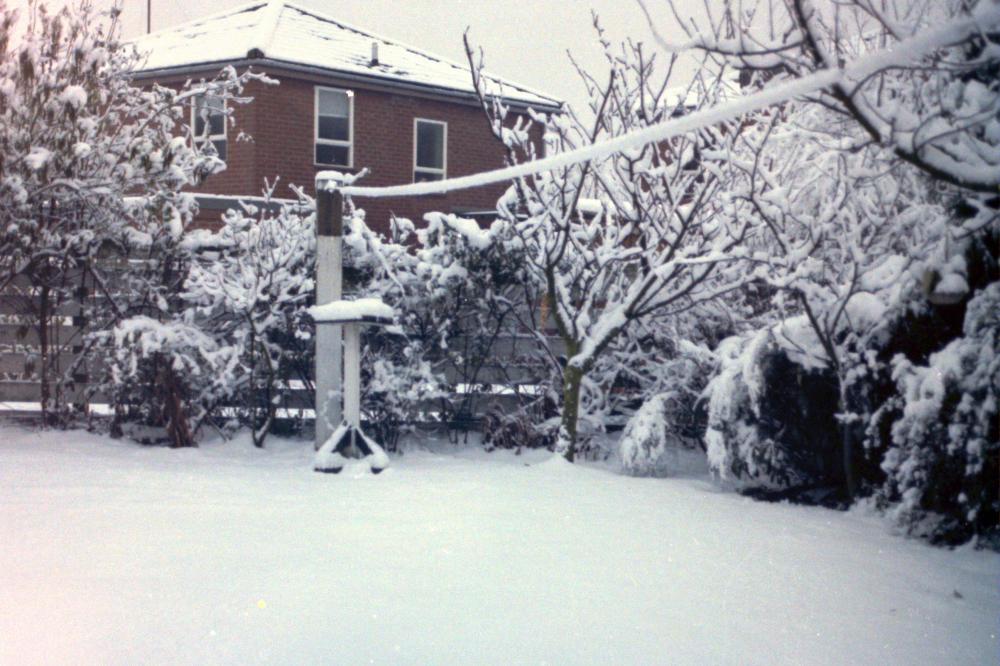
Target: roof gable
column 285, row 32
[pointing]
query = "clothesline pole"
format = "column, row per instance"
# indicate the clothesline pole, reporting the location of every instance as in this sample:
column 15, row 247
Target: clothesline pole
column 329, row 288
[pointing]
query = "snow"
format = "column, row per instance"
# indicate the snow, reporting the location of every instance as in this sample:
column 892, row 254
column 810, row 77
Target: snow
column 356, row 310
column 331, row 178
column 952, row 287
column 476, row 236
column 147, row 336
column 74, row 96
column 590, row 206
column 113, row 553
column 287, row 32
column 37, row 158
column 327, row 459
column 865, row 310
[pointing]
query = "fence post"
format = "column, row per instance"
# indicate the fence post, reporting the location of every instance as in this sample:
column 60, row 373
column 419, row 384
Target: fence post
column 329, row 287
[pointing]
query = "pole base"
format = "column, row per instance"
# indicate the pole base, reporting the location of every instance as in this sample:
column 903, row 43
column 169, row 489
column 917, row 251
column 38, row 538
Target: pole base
column 346, row 443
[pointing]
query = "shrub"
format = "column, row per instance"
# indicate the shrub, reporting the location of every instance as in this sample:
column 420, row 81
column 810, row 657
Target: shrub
column 771, row 421
column 942, row 464
column 168, row 378
column 644, row 446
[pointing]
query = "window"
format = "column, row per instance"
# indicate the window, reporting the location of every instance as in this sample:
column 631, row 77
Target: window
column 208, row 118
column 334, row 127
column 430, row 150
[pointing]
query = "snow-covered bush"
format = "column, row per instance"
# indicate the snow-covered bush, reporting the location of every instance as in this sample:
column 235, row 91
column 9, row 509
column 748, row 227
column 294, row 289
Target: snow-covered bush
column 840, row 233
column 169, row 375
column 771, row 423
column 248, row 290
column 463, row 303
column 474, row 303
column 141, row 283
column 773, row 402
column 530, row 426
column 247, row 286
column 397, row 379
column 91, row 166
column 674, row 417
column 399, row 386
column 647, row 439
column 943, row 461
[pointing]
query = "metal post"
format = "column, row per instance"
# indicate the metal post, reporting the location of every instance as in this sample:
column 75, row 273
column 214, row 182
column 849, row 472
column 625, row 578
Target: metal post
column 352, row 374
column 329, row 276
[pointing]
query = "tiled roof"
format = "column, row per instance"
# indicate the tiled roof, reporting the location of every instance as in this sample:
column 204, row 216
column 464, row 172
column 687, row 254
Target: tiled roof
column 285, row 32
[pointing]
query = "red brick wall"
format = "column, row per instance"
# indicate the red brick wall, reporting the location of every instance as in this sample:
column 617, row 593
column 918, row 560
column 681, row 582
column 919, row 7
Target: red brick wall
column 280, row 120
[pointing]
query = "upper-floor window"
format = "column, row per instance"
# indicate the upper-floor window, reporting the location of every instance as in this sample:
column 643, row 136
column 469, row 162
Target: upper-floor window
column 334, row 127
column 430, row 150
column 208, row 118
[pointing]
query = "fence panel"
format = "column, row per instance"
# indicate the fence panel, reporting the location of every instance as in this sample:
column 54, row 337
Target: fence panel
column 515, row 370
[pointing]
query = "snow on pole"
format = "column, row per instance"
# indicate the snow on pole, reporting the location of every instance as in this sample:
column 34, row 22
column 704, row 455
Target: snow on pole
column 329, row 288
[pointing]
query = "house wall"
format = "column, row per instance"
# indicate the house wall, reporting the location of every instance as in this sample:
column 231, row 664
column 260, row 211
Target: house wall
column 280, row 121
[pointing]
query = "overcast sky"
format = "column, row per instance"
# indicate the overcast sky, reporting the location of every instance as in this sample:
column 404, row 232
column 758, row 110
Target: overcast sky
column 524, row 40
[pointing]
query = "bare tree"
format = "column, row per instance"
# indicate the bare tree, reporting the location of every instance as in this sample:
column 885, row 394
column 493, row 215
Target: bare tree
column 629, row 238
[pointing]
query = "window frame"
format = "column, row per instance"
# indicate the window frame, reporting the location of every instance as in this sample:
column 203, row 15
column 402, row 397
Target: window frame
column 443, row 171
column 200, row 140
column 334, row 142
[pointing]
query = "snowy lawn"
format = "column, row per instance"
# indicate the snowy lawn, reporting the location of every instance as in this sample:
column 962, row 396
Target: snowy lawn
column 115, row 554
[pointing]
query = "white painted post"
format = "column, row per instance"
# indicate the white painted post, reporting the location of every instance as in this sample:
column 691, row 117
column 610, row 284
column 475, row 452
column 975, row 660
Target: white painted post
column 329, row 287
column 352, row 374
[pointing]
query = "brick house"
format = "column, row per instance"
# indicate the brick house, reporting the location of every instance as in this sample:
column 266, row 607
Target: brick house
column 346, row 100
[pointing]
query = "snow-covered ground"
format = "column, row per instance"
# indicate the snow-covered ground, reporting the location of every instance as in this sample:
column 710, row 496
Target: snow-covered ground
column 115, row 554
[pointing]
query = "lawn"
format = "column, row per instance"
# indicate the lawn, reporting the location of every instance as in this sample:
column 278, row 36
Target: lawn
column 111, row 553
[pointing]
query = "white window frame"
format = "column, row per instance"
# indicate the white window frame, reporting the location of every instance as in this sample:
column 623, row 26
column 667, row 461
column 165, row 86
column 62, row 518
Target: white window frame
column 334, row 142
column 443, row 171
column 200, row 139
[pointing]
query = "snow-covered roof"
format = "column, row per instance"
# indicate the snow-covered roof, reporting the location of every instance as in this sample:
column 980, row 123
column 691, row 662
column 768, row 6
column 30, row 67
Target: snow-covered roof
column 283, row 32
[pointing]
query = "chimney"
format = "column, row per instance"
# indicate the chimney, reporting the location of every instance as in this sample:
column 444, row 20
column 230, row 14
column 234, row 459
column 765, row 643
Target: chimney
column 374, row 53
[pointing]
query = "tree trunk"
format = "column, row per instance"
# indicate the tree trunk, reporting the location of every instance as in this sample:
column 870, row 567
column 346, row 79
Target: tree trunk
column 178, row 430
column 847, row 446
column 43, row 351
column 566, row 445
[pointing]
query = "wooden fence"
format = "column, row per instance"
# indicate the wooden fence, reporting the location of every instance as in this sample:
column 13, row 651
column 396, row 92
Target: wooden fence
column 41, row 336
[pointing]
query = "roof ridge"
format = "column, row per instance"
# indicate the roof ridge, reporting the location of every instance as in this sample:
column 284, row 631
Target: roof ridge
column 222, row 13
column 262, row 36
column 427, row 54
